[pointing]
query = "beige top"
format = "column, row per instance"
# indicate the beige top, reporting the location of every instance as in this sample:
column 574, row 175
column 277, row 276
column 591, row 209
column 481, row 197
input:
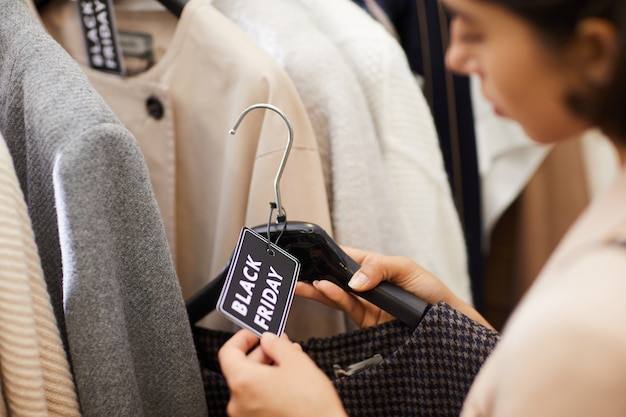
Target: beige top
column 563, row 352
column 209, row 184
column 34, row 371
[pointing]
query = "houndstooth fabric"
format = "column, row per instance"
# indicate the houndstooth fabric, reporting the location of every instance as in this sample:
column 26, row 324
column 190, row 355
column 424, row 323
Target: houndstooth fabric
column 426, row 371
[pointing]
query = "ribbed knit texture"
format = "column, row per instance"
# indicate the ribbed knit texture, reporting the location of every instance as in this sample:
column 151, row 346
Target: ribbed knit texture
column 36, row 378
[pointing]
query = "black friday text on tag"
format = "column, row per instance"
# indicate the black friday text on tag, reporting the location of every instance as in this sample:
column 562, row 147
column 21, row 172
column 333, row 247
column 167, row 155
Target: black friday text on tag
column 99, row 30
column 269, row 296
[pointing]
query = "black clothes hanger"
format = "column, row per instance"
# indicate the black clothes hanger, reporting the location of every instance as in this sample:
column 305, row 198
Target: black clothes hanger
column 320, row 257
column 174, row 6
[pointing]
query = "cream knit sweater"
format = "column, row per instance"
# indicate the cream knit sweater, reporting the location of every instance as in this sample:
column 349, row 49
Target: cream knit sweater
column 34, row 370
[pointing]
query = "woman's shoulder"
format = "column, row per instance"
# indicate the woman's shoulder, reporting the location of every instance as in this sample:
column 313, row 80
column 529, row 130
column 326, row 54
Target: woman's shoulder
column 586, row 294
column 563, row 350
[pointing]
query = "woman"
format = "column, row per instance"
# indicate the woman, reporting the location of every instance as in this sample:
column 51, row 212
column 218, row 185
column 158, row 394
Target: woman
column 557, row 68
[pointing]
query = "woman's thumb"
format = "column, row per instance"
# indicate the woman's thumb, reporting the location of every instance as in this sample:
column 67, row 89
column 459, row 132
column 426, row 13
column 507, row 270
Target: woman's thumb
column 278, row 348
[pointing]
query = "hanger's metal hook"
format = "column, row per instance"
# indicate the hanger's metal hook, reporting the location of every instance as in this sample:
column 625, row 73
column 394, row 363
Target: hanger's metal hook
column 280, row 214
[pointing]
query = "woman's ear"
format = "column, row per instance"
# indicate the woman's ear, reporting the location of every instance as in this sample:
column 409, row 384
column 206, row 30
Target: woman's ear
column 596, row 50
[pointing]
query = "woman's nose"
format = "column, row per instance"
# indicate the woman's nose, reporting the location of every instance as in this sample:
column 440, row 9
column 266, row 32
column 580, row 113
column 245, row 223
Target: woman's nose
column 460, row 57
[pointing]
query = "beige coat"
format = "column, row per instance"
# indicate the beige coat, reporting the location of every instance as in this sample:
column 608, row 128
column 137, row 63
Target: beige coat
column 209, row 184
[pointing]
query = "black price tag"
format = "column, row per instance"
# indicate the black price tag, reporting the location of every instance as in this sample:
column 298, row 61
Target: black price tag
column 260, row 285
column 100, row 32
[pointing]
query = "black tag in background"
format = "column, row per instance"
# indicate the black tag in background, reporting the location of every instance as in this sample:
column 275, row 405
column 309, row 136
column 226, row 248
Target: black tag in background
column 260, row 285
column 100, row 33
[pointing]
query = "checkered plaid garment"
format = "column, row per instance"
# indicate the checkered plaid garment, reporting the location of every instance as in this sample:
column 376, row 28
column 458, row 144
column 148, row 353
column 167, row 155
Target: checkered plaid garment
column 425, row 371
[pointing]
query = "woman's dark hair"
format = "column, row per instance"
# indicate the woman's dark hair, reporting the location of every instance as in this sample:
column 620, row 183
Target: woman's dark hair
column 556, row 22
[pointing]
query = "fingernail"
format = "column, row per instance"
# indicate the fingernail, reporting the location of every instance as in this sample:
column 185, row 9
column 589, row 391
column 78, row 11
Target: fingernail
column 358, row 281
column 269, row 335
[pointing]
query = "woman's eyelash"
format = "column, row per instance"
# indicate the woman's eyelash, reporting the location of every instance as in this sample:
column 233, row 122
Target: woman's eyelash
column 470, row 37
column 465, row 31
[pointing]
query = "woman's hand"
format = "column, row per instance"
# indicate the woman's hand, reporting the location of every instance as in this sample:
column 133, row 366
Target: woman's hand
column 275, row 378
column 375, row 268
